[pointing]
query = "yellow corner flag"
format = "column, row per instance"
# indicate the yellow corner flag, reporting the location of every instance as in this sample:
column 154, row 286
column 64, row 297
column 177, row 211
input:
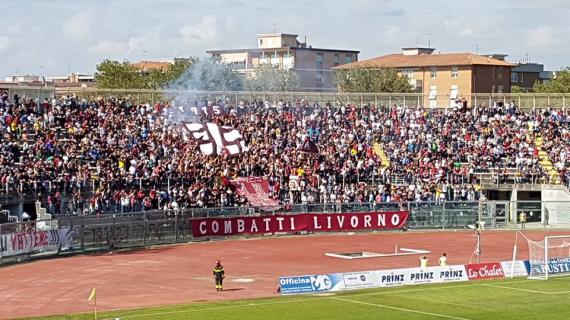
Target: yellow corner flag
column 93, row 295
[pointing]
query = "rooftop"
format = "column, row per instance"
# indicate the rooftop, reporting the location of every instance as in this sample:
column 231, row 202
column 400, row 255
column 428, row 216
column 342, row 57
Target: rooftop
column 277, row 49
column 426, row 60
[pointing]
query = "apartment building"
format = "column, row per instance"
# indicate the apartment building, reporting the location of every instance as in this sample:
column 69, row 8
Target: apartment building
column 445, row 78
column 313, row 66
column 525, row 75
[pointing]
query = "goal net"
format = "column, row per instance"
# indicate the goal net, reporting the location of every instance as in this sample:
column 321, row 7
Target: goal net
column 549, row 257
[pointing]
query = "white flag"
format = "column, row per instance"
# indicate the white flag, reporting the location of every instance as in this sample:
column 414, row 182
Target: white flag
column 215, row 139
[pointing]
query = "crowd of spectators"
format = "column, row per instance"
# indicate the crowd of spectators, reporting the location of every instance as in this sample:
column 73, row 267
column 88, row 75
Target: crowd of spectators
column 110, row 154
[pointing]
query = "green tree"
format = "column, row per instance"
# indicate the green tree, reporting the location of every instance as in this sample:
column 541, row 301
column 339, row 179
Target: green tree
column 363, row 80
column 208, row 74
column 558, row 83
column 123, row 75
column 116, row 75
column 267, row 77
column 517, row 89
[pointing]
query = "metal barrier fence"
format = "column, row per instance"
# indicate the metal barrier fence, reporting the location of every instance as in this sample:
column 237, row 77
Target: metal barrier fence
column 441, row 100
column 120, row 231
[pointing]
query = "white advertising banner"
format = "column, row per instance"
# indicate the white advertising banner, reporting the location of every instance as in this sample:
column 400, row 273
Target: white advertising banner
column 360, row 280
column 411, row 276
column 519, row 268
column 34, row 241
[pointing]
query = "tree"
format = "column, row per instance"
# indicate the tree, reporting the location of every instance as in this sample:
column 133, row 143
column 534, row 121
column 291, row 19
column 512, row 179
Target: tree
column 517, row 89
column 114, row 75
column 267, row 77
column 363, row 80
column 558, row 83
column 123, row 75
column 208, row 74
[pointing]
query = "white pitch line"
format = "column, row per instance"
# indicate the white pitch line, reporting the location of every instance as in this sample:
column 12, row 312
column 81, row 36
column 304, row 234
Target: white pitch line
column 515, row 289
column 399, row 309
column 560, row 292
column 387, row 292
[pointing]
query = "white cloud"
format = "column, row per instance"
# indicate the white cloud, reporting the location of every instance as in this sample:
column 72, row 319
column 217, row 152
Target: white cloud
column 78, row 27
column 5, row 43
column 542, row 36
column 110, row 48
column 465, row 32
column 205, row 32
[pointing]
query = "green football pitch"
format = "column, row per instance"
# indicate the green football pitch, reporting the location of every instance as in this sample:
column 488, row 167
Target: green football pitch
column 484, row 300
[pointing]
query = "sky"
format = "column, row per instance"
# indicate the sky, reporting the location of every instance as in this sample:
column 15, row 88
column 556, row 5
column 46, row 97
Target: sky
column 57, row 37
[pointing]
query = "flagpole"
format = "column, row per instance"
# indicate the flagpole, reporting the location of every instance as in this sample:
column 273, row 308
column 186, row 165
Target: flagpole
column 95, row 307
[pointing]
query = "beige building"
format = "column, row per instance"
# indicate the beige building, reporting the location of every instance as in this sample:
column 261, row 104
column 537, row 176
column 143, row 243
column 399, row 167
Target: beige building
column 313, row 66
column 445, row 78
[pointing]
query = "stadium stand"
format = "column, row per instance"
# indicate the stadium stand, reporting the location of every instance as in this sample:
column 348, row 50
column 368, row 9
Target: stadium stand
column 112, row 155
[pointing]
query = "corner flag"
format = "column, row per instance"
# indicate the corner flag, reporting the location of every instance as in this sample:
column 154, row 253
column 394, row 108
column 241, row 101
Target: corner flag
column 93, row 295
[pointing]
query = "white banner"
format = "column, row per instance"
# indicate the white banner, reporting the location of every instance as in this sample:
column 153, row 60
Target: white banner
column 360, row 280
column 519, row 268
column 34, row 241
column 411, row 276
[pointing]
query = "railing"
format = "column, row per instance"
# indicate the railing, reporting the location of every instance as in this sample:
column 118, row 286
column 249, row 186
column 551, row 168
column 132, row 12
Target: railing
column 523, row 100
column 139, row 229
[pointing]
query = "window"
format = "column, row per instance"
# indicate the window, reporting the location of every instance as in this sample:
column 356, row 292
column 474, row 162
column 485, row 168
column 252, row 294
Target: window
column 499, row 89
column 500, row 74
column 432, row 92
column 260, row 42
column 348, row 58
column 493, row 89
column 454, row 72
column 432, row 96
column 514, row 77
column 320, row 79
column 319, row 60
column 336, row 59
column 407, row 73
column 454, row 92
column 433, row 73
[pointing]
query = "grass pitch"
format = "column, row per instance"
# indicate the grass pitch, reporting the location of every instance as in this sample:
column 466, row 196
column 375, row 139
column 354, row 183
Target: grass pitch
column 482, row 300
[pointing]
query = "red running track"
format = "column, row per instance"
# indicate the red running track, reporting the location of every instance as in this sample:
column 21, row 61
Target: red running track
column 182, row 273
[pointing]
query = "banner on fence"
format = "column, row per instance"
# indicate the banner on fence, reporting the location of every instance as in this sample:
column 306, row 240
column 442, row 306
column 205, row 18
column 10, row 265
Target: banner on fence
column 360, row 280
column 519, row 268
column 411, row 276
column 311, row 284
column 310, row 222
column 559, row 265
column 33, row 241
column 484, row 271
column 257, row 192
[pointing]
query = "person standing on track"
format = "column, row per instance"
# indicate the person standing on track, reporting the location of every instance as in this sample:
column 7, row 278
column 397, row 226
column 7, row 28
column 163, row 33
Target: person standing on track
column 443, row 260
column 522, row 219
column 219, row 275
column 424, row 263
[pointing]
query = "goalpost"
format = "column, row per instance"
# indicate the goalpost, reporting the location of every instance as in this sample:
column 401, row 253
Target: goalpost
column 549, row 257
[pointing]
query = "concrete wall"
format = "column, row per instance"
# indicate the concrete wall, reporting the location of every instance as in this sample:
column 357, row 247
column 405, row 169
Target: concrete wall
column 555, row 207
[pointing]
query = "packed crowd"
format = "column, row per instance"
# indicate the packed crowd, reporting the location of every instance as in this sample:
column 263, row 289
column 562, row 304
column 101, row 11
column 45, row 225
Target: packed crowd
column 113, row 155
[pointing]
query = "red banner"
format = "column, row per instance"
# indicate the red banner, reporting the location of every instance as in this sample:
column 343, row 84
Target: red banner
column 256, row 190
column 484, row 271
column 310, row 222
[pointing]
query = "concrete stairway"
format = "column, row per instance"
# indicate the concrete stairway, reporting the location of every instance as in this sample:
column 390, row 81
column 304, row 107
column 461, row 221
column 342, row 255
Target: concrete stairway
column 545, row 162
column 379, row 151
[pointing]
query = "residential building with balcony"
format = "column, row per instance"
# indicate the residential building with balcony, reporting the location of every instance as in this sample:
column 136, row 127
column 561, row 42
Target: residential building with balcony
column 313, row 66
column 445, row 78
